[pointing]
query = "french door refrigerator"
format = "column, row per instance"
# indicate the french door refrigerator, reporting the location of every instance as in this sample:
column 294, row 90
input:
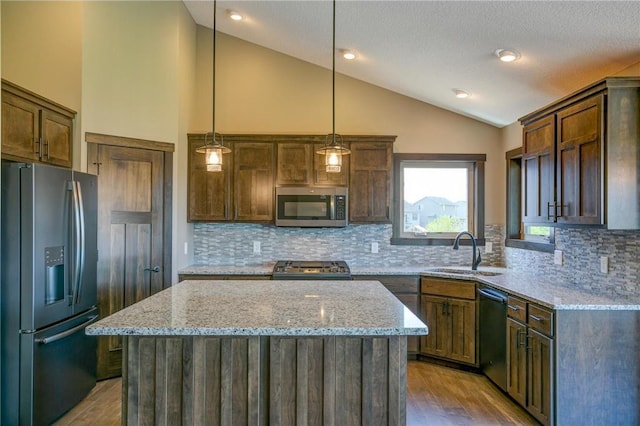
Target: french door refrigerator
column 48, row 291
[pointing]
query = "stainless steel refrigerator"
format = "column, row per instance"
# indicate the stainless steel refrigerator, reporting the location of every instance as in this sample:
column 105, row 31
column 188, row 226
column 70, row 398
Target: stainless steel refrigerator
column 48, row 291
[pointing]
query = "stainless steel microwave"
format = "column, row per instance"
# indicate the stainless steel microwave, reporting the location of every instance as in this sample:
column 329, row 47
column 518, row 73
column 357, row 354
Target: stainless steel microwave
column 311, row 206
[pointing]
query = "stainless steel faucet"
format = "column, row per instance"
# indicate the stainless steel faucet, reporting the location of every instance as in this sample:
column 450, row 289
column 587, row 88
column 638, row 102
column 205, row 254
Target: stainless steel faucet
column 475, row 261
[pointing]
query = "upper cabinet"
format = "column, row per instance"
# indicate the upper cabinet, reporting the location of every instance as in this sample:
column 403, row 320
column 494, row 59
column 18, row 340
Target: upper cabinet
column 370, row 181
column 244, row 190
column 209, row 193
column 253, row 179
column 581, row 158
column 299, row 164
column 35, row 128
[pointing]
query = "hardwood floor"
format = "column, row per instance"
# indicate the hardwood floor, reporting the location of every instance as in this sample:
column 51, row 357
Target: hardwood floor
column 436, row 395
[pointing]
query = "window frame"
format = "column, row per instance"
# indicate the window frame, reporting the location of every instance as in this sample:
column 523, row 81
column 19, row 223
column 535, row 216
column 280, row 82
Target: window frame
column 514, row 197
column 475, row 205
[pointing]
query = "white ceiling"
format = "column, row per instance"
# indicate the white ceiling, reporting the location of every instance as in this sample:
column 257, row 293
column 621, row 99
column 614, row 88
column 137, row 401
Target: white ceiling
column 426, row 49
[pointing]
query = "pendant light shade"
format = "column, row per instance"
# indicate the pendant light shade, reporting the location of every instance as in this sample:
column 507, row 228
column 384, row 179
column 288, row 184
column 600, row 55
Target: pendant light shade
column 333, row 148
column 213, row 151
column 213, row 147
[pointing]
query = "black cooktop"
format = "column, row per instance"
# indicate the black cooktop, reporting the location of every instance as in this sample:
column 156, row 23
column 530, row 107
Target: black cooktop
column 311, row 270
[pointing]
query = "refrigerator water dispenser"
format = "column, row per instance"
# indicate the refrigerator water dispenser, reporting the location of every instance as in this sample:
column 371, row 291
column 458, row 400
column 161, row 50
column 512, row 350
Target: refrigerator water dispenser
column 54, row 264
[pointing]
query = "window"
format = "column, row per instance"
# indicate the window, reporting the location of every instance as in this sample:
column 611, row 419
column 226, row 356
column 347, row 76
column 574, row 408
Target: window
column 532, row 237
column 437, row 196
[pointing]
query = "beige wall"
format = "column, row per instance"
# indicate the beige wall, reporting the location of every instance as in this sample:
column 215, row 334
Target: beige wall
column 42, row 51
column 261, row 91
column 138, row 74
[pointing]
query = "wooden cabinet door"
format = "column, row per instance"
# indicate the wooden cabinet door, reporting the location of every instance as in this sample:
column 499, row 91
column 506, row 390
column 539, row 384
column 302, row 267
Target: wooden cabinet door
column 295, row 163
column 462, row 314
column 20, row 129
column 320, row 175
column 580, row 162
column 540, row 376
column 538, row 171
column 57, row 137
column 208, row 193
column 434, row 314
column 370, row 182
column 253, row 177
column 517, row 361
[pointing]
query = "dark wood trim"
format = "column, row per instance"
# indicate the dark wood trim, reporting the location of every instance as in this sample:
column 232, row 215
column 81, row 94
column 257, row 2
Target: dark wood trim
column 530, row 245
column 479, row 207
column 128, row 142
column 439, row 157
column 514, row 186
column 168, row 224
column 395, row 241
column 598, row 86
column 27, row 94
column 315, row 138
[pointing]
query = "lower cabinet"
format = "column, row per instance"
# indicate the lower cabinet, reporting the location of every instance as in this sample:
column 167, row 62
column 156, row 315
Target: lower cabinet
column 405, row 288
column 530, row 358
column 448, row 307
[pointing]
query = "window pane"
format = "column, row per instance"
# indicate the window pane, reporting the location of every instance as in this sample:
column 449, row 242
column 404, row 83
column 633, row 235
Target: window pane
column 537, row 233
column 435, row 200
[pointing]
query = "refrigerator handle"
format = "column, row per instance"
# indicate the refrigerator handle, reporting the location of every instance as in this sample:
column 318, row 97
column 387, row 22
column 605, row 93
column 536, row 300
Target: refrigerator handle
column 80, row 241
column 56, row 337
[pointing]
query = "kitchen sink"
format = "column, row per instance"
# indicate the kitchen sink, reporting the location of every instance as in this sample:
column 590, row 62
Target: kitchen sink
column 467, row 272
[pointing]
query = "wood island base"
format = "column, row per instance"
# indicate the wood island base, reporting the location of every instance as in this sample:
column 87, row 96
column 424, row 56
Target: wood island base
column 264, row 380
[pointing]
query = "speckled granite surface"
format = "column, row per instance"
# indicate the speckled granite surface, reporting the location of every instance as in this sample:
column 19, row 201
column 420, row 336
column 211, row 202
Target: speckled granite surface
column 266, row 308
column 541, row 288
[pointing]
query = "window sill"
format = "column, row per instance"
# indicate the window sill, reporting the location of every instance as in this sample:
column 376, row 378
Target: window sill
column 530, row 245
column 433, row 242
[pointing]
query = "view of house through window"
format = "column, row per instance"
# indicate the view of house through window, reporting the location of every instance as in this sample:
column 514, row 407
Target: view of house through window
column 435, row 199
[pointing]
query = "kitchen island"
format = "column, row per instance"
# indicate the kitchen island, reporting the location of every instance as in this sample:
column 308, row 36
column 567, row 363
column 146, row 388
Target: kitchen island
column 265, row 352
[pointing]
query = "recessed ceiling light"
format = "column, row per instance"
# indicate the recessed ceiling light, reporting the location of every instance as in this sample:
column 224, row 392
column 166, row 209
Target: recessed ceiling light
column 348, row 54
column 235, row 15
column 461, row 94
column 507, row 55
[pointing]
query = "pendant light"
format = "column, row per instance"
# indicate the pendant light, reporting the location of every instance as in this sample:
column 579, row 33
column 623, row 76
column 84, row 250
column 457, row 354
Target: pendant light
column 213, row 147
column 333, row 148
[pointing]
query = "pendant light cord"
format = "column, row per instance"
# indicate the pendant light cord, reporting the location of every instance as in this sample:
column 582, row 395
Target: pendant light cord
column 213, row 80
column 333, row 82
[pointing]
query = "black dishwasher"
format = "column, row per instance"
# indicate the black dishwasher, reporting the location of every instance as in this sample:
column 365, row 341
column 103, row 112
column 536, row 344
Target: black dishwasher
column 493, row 335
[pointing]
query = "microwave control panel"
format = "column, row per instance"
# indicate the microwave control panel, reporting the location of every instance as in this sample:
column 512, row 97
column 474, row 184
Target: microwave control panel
column 341, row 207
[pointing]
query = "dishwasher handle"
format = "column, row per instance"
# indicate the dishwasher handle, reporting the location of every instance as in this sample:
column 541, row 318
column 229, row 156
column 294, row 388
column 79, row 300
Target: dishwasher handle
column 493, row 295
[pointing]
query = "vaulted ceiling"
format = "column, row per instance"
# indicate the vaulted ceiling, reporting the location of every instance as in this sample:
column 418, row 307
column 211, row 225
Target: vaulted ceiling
column 427, row 49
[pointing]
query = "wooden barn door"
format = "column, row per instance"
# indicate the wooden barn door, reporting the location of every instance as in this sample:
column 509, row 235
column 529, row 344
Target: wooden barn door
column 132, row 231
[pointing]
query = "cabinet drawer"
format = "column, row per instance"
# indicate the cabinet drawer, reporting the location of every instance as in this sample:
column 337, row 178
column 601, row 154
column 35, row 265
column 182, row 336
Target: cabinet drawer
column 540, row 319
column 517, row 309
column 449, row 288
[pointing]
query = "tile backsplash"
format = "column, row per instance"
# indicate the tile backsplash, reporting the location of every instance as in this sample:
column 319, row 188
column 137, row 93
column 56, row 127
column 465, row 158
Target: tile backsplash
column 582, row 250
column 233, row 244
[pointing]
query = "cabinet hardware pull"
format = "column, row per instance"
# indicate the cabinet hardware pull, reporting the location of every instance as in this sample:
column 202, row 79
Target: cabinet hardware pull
column 47, row 145
column 535, row 318
column 513, row 307
column 518, row 341
column 555, row 210
column 528, row 346
column 36, row 146
column 561, row 206
column 154, row 269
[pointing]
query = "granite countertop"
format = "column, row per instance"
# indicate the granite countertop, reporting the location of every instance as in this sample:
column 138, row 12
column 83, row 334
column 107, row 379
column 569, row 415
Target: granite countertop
column 541, row 289
column 265, row 308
